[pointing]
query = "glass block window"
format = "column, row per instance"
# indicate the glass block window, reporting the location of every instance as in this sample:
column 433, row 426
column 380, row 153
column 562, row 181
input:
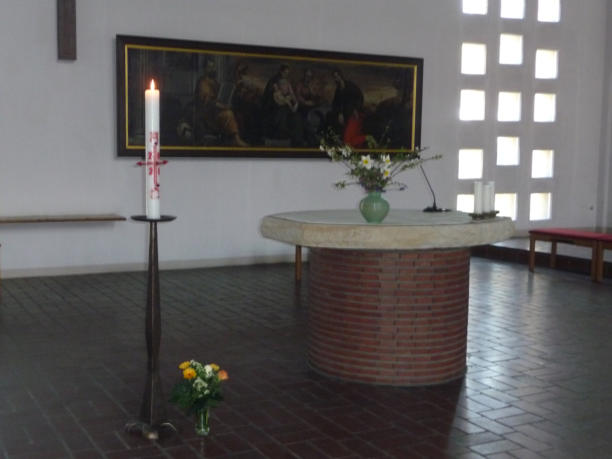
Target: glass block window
column 510, row 49
column 549, row 10
column 544, row 108
column 512, row 9
column 539, row 206
column 508, row 151
column 465, row 203
column 546, row 64
column 472, row 105
column 475, row 6
column 509, row 106
column 542, row 163
column 473, row 59
column 470, row 163
column 523, row 169
column 506, row 204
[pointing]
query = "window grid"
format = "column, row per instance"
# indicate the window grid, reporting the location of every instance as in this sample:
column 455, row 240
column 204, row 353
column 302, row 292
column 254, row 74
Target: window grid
column 506, row 203
column 544, row 108
column 473, row 58
column 470, row 163
column 465, row 203
column 509, row 106
column 510, row 49
column 475, row 7
column 549, row 10
column 542, row 162
column 473, row 161
column 508, row 151
column 472, row 105
column 512, row 9
column 539, row 206
column 546, row 64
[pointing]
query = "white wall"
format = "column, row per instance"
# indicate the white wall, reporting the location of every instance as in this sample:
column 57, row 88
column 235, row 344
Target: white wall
column 57, row 126
column 605, row 161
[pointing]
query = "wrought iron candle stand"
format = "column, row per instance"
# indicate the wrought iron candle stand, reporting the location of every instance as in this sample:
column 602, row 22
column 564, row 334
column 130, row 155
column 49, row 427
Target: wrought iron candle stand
column 152, row 418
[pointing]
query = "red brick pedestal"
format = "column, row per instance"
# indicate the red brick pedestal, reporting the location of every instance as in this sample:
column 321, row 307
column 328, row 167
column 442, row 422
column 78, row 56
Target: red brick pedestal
column 396, row 317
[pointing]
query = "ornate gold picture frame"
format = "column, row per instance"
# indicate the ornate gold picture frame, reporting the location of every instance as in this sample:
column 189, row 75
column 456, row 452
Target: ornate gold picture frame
column 231, row 100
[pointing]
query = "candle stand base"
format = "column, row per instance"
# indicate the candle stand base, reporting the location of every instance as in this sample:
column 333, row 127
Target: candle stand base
column 152, row 419
column 148, row 431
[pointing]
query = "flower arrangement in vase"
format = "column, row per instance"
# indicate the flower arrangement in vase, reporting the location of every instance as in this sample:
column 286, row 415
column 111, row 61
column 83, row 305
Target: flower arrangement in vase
column 198, row 391
column 374, row 168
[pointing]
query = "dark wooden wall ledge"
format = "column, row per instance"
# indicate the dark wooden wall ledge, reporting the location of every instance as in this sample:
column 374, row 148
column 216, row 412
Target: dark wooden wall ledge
column 61, row 218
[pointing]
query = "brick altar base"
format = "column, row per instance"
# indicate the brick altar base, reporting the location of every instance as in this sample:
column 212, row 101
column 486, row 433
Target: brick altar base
column 389, row 317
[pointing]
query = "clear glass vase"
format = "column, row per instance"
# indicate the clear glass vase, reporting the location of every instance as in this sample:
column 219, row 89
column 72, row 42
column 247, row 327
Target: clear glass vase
column 202, row 426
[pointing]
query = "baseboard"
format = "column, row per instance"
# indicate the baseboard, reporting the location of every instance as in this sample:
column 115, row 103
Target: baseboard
column 163, row 265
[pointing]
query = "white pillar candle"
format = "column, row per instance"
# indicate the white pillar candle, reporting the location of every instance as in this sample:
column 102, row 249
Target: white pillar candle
column 477, row 198
column 491, row 196
column 152, row 153
column 486, row 197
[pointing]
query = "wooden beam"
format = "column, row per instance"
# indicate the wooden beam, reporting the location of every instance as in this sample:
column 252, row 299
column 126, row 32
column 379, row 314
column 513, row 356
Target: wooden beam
column 66, row 29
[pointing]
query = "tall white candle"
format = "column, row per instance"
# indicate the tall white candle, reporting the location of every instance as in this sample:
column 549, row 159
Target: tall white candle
column 477, row 198
column 486, row 197
column 152, row 153
column 491, row 196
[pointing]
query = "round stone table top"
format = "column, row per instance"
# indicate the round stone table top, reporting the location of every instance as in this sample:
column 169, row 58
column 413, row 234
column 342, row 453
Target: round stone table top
column 402, row 229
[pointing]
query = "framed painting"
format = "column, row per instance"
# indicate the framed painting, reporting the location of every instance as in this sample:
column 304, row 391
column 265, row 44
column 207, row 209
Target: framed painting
column 230, row 100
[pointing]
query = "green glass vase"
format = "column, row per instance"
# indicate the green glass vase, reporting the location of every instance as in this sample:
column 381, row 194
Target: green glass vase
column 374, row 207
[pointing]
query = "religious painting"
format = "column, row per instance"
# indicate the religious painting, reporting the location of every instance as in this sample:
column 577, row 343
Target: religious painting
column 231, row 100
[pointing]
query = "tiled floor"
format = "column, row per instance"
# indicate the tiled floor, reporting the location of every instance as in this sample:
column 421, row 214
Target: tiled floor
column 72, row 361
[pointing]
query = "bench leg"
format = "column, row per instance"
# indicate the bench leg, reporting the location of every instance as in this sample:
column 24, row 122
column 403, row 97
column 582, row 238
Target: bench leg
column 553, row 254
column 298, row 263
column 532, row 242
column 594, row 258
column 598, row 262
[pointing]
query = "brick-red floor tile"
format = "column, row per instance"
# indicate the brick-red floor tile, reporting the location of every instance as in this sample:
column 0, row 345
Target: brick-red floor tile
column 73, row 356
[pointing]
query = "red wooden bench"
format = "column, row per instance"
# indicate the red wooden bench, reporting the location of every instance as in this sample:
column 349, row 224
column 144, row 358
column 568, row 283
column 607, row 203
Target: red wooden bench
column 597, row 240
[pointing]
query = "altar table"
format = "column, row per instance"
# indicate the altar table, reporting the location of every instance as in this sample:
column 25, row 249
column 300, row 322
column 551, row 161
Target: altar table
column 388, row 303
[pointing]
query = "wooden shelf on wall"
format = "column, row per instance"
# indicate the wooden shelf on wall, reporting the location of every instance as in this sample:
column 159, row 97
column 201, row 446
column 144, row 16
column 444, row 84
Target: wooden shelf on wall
column 67, row 218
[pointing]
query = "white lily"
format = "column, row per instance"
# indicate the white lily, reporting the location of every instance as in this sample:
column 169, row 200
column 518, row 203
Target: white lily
column 366, row 161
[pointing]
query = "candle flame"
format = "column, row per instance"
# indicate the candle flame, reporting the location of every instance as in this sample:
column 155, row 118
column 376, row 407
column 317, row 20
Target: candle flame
column 152, row 85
